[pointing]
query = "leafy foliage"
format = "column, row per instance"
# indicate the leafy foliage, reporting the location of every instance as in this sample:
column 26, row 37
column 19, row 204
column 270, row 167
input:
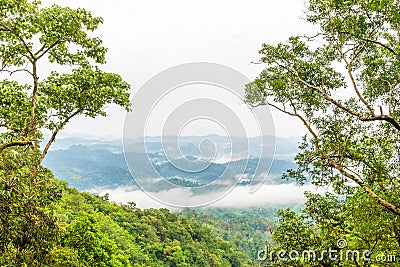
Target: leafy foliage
column 357, row 219
column 343, row 85
column 27, row 225
column 350, row 112
column 100, row 231
column 29, row 35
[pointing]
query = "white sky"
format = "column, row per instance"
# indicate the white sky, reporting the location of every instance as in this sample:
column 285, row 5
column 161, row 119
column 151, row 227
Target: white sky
column 145, row 37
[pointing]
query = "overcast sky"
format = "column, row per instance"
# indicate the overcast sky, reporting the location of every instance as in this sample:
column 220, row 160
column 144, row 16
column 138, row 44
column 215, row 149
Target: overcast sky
column 145, row 37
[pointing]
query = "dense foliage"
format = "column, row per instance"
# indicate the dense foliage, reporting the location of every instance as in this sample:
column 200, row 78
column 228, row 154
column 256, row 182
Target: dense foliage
column 343, row 84
column 97, row 232
column 248, row 228
column 27, row 223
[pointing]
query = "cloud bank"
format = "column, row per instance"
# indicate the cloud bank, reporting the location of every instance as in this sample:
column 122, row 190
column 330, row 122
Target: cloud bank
column 239, row 197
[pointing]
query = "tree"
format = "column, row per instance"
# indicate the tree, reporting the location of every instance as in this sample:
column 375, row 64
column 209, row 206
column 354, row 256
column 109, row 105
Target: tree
column 31, row 35
column 343, row 84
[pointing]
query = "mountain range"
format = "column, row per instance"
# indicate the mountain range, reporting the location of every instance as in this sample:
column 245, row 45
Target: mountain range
column 87, row 163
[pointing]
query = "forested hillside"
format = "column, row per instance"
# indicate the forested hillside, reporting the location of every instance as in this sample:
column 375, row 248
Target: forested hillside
column 250, row 229
column 97, row 232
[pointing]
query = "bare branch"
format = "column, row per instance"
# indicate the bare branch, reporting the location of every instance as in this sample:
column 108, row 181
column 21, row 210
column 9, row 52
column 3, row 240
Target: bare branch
column 54, row 134
column 11, row 72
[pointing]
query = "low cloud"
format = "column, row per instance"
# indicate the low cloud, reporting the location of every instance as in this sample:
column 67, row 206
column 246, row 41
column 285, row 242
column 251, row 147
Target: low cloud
column 239, row 197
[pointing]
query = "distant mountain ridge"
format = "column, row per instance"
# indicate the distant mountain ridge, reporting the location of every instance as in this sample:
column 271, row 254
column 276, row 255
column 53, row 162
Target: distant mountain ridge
column 87, row 163
column 283, row 145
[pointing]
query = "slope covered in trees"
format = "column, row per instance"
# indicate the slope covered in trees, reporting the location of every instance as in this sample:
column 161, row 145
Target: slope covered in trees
column 89, row 230
column 249, row 229
column 95, row 231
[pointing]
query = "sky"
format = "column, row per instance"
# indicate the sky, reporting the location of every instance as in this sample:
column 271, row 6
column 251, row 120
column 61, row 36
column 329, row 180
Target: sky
column 145, row 37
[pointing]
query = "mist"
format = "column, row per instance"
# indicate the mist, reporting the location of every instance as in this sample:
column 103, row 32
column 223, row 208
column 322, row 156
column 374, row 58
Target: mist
column 239, row 197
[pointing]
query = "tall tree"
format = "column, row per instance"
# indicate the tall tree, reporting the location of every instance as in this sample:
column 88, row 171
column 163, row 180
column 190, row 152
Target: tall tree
column 61, row 37
column 343, row 85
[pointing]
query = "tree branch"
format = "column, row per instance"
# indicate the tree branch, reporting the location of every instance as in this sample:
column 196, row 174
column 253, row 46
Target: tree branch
column 353, row 81
column 54, row 134
column 23, row 42
column 320, row 91
column 394, row 209
column 11, row 72
column 387, row 118
column 33, row 116
column 373, row 41
column 48, row 49
column 14, row 143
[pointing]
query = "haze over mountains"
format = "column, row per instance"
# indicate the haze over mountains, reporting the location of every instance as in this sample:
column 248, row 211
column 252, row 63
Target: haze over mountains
column 99, row 165
column 86, row 163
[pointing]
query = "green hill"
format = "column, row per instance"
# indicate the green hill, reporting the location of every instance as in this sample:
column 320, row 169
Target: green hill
column 97, row 232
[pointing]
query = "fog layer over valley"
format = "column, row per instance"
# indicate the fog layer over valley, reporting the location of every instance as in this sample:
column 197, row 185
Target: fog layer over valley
column 98, row 165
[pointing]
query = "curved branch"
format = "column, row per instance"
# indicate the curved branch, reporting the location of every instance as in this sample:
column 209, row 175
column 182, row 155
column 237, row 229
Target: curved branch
column 11, row 72
column 389, row 206
column 387, row 118
column 327, row 97
column 374, row 42
column 14, row 143
column 54, row 134
column 23, row 42
column 320, row 91
column 355, row 86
